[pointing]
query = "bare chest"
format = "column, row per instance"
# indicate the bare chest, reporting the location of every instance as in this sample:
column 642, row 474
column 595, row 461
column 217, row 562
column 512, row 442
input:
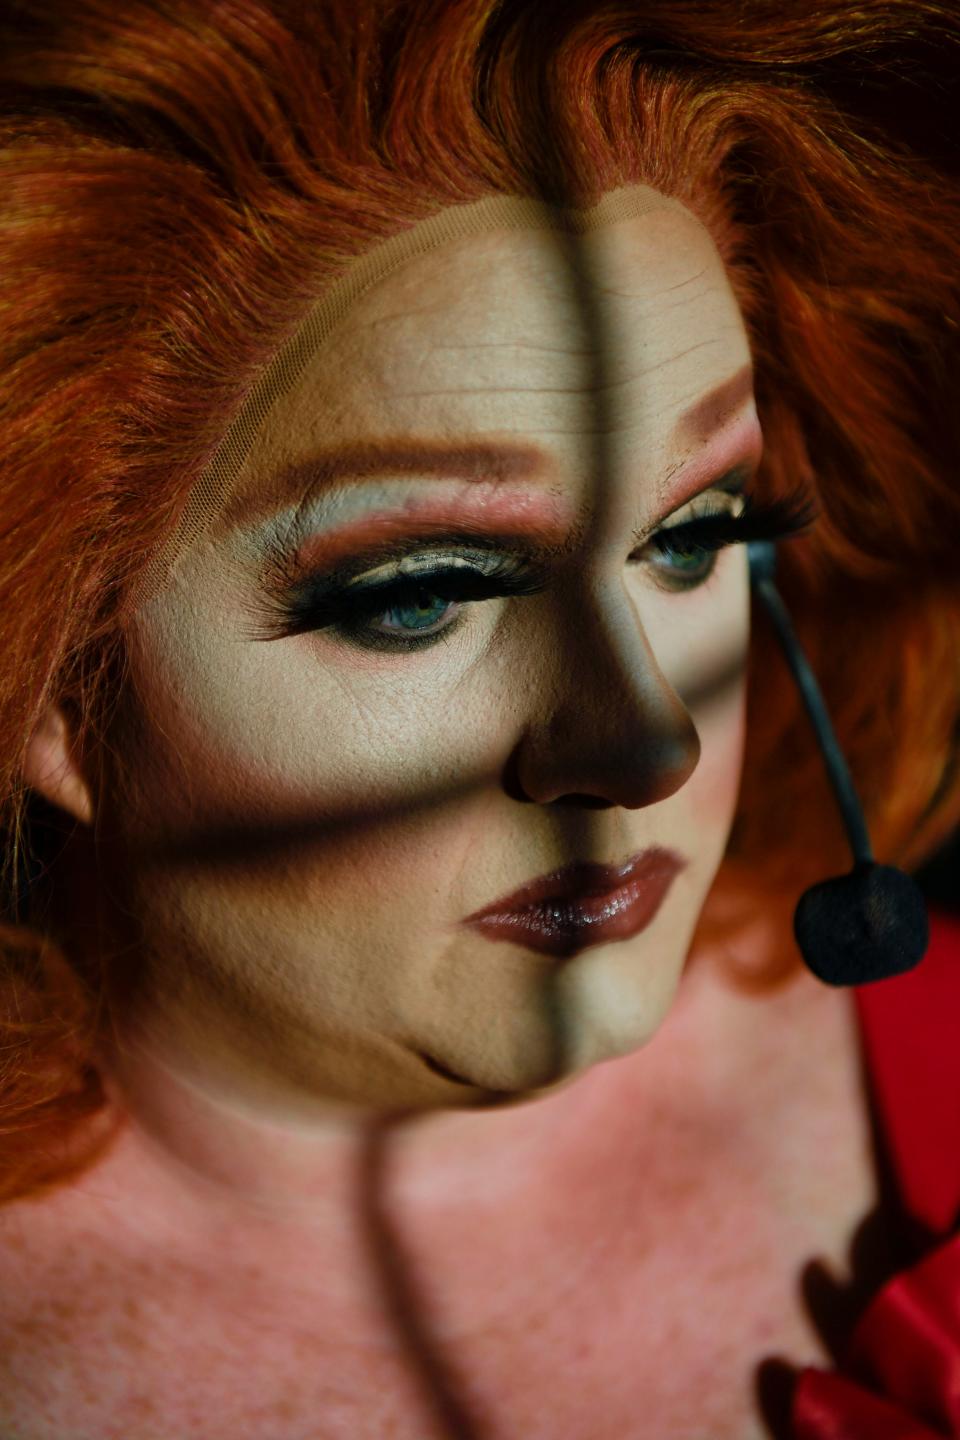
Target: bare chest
column 621, row 1351
column 638, row 1293
column 617, row 1336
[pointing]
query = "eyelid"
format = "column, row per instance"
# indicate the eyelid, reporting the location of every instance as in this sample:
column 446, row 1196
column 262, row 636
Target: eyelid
column 698, row 507
column 391, row 563
column 321, row 601
column 281, row 574
column 408, row 566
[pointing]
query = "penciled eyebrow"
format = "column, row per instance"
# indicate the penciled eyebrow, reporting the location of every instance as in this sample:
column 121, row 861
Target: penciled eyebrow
column 474, row 460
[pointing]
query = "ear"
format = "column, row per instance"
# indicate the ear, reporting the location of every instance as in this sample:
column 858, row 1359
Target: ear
column 51, row 769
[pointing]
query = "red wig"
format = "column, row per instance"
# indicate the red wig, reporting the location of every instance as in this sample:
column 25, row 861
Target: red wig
column 181, row 181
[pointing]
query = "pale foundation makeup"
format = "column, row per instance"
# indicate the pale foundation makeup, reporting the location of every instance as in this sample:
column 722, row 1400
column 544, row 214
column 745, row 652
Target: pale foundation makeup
column 310, row 817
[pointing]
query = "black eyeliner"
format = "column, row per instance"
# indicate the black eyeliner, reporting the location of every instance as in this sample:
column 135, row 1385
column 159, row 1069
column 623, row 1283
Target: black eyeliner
column 336, row 599
column 777, row 519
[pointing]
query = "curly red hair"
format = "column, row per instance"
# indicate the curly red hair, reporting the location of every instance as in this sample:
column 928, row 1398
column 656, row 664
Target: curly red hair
column 181, row 181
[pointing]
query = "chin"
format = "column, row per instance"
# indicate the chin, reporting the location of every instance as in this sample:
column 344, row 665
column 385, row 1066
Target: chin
column 536, row 1035
column 548, row 1062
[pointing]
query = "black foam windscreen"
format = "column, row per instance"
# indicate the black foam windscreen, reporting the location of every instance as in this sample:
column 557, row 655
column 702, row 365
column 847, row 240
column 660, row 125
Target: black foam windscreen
column 868, row 925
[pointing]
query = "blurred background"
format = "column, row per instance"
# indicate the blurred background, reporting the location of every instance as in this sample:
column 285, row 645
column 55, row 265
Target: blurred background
column 939, row 879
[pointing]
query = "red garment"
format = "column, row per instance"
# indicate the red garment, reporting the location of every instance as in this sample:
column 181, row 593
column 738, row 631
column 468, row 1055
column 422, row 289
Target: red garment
column 900, row 1374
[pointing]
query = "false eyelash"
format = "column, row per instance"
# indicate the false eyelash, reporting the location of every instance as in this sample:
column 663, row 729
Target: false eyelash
column 758, row 520
column 315, row 605
column 335, row 604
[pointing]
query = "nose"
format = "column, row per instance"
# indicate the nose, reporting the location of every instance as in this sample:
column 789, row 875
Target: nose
column 608, row 728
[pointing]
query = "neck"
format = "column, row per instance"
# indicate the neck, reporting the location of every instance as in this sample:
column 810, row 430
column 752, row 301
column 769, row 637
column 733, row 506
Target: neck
column 227, row 1149
column 493, row 1201
column 230, row 1144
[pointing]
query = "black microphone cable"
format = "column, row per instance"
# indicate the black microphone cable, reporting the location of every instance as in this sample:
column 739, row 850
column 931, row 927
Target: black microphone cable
column 870, row 924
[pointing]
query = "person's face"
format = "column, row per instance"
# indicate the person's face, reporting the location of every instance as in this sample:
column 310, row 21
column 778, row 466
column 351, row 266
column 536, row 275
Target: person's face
column 326, row 782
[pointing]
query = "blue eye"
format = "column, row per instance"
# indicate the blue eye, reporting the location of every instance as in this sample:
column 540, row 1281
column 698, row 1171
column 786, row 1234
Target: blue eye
column 688, row 563
column 407, row 612
column 685, row 555
column 405, row 599
column 423, row 614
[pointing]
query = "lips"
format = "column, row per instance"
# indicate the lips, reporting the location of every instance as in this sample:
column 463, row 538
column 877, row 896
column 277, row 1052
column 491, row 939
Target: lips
column 582, row 905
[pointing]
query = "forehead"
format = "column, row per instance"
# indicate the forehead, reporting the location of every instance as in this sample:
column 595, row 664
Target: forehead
column 494, row 335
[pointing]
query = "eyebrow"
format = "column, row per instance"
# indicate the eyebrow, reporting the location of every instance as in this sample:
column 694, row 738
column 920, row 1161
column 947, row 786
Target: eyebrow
column 474, row 460
column 714, row 409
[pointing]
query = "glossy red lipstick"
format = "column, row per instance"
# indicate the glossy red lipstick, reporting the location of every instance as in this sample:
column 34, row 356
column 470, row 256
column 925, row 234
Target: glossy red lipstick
column 582, row 904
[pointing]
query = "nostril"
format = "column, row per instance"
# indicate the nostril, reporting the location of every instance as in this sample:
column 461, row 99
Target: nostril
column 510, row 780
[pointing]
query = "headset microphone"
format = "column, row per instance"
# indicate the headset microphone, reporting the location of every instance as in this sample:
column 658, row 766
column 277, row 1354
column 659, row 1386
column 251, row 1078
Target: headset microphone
column 872, row 923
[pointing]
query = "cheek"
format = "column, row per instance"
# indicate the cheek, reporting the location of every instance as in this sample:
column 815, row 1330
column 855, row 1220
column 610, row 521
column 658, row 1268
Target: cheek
column 303, row 731
column 296, row 742
column 316, row 782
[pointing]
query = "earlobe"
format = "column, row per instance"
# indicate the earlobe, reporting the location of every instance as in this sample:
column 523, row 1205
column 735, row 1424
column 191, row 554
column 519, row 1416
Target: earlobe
column 51, row 769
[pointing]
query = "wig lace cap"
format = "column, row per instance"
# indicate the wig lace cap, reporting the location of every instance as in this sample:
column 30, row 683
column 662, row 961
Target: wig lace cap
column 289, row 365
